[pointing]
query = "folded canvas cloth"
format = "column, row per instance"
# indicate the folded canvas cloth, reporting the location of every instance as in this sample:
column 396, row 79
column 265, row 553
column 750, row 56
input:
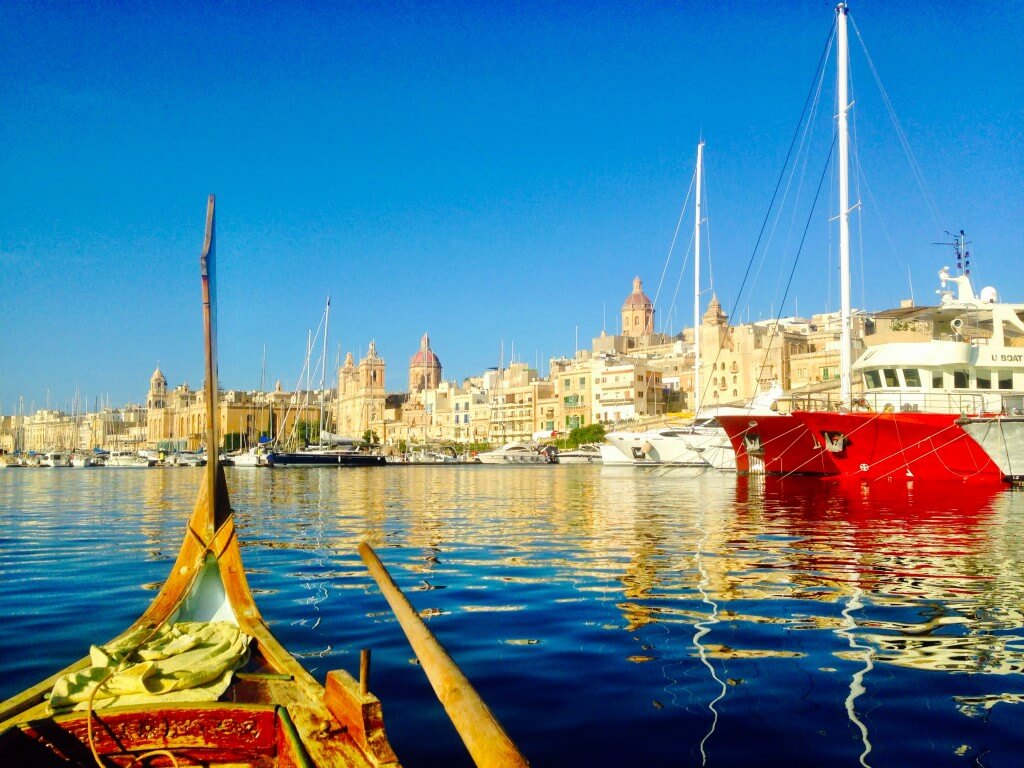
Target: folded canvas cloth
column 183, row 662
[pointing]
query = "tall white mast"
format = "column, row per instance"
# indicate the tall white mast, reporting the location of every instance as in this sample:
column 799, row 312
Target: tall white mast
column 323, row 371
column 843, row 104
column 696, row 280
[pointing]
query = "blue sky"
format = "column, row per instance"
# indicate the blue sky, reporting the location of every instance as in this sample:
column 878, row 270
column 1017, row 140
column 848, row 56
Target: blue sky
column 484, row 172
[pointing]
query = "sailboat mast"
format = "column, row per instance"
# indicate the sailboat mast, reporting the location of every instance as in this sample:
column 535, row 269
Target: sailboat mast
column 698, row 212
column 323, row 370
column 843, row 104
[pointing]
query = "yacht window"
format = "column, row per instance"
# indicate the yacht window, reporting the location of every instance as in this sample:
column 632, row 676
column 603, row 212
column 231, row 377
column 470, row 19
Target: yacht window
column 1005, row 379
column 872, row 379
column 937, row 380
column 983, row 379
column 890, row 377
column 912, row 377
column 959, row 379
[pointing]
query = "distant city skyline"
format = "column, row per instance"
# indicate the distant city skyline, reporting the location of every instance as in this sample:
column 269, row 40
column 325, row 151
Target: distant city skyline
column 491, row 175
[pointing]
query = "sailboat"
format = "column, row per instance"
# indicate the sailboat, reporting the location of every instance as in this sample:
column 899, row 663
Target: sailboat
column 703, row 442
column 199, row 679
column 222, row 698
column 780, row 443
column 331, row 450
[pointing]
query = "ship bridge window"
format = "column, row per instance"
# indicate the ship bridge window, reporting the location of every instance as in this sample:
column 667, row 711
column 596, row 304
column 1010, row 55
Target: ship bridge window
column 983, row 379
column 912, row 377
column 872, row 379
column 890, row 377
column 936, row 379
column 1005, row 379
column 959, row 379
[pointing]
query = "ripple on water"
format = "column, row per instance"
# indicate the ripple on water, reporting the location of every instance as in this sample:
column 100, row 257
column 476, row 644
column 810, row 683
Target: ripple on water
column 606, row 617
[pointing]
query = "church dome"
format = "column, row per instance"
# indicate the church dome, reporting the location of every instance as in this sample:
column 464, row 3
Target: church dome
column 425, row 355
column 157, row 376
column 637, row 299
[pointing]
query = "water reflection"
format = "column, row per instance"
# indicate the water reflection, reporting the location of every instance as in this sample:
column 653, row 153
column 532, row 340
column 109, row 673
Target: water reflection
column 701, row 617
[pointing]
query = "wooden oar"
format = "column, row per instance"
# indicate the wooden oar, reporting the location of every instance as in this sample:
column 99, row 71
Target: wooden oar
column 486, row 740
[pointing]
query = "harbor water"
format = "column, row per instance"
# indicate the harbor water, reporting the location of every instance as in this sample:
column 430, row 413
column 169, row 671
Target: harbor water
column 608, row 616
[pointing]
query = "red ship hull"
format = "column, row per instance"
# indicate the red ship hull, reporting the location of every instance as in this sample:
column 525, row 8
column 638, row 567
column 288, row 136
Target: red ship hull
column 776, row 444
column 886, row 446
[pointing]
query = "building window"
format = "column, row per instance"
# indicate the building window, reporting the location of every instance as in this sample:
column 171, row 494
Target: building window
column 583, row 381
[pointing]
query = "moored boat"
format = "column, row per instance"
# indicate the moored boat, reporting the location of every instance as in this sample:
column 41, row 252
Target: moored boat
column 127, row 460
column 908, row 422
column 55, row 459
column 254, row 457
column 326, row 457
column 199, row 679
column 517, row 453
column 775, row 444
column 1002, row 439
column 588, row 453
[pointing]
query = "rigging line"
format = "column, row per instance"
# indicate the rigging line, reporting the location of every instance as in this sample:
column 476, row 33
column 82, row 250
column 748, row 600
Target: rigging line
column 675, row 235
column 800, row 131
column 801, row 160
column 796, row 260
column 804, row 159
column 901, row 135
column 782, row 172
column 679, row 280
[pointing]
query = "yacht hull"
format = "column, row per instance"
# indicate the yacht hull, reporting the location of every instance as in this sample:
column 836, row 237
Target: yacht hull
column 903, row 445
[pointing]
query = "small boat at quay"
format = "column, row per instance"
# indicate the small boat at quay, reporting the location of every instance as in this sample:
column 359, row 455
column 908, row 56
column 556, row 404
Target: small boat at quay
column 55, row 459
column 517, row 453
column 199, row 679
column 127, row 460
column 588, row 453
column 254, row 457
column 326, row 457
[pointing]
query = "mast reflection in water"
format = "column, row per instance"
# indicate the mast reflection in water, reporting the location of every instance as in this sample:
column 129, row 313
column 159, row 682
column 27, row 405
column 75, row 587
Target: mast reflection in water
column 607, row 615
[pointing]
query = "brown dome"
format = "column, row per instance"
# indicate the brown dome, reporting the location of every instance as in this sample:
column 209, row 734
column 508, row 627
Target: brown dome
column 637, row 298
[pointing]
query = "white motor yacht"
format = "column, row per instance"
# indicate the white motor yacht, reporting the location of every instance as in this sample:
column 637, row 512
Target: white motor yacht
column 589, row 453
column 514, row 453
column 127, row 460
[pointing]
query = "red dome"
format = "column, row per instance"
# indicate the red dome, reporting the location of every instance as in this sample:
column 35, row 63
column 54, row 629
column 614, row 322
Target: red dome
column 425, row 355
column 637, row 298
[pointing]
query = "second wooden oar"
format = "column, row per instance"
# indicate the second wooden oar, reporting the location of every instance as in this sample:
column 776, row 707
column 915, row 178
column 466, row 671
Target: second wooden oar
column 486, row 740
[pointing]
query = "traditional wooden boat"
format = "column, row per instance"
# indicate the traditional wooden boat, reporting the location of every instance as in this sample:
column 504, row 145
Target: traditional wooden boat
column 262, row 709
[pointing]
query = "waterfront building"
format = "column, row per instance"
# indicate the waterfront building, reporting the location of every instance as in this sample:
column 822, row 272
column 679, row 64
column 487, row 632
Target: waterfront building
column 512, row 395
column 624, row 389
column 362, row 397
column 175, row 420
